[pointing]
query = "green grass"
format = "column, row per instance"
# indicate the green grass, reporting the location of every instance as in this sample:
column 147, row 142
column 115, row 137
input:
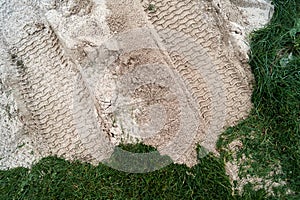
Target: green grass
column 270, row 138
column 54, row 178
column 271, row 134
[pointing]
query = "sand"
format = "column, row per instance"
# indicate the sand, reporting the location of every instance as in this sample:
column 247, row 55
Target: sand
column 79, row 77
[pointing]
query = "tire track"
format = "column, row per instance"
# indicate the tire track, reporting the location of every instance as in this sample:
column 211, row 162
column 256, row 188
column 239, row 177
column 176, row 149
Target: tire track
column 48, row 80
column 66, row 118
column 185, row 17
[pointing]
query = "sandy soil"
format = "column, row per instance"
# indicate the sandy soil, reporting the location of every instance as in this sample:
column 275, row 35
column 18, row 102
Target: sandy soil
column 79, row 77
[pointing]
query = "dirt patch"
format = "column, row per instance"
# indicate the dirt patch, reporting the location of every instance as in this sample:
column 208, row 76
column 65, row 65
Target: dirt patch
column 237, row 166
column 167, row 73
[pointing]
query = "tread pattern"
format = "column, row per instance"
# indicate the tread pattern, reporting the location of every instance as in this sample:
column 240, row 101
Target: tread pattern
column 61, row 109
column 185, row 17
column 49, row 82
column 220, row 86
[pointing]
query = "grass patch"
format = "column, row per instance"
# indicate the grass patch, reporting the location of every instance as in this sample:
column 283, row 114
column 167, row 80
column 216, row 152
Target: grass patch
column 54, row 178
column 271, row 136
